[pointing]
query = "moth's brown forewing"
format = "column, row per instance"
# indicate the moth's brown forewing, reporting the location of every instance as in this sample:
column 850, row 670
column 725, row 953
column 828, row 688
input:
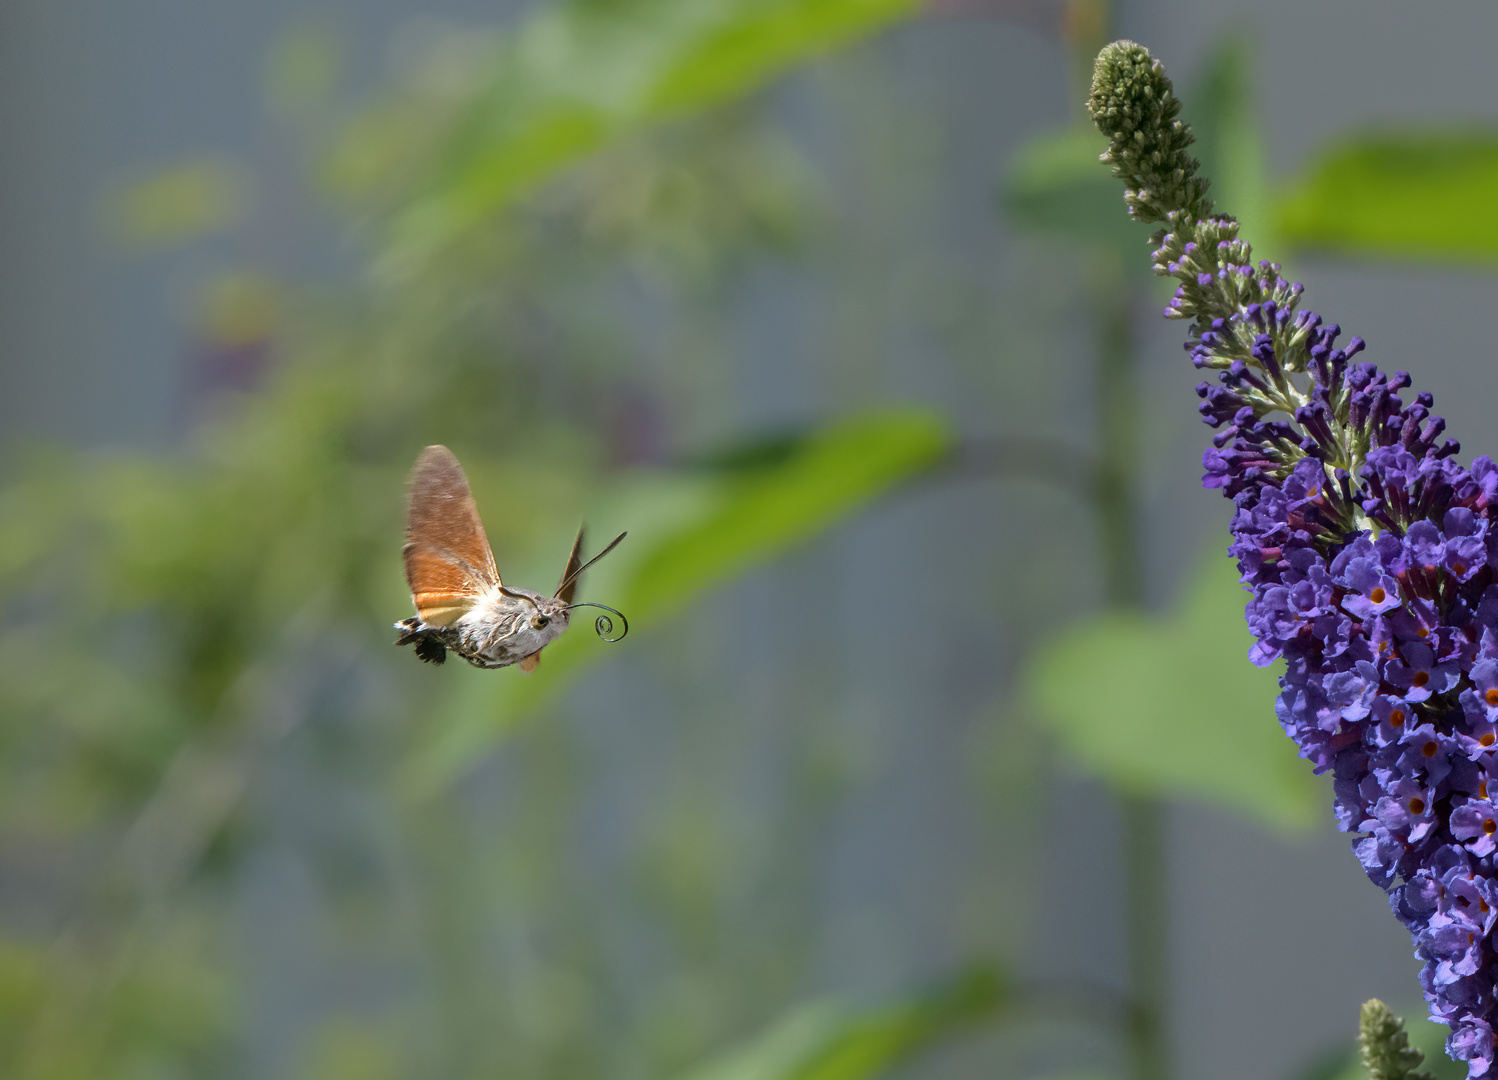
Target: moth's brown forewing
column 447, row 556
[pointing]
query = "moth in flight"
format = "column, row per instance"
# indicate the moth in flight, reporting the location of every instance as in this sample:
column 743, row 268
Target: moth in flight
column 461, row 603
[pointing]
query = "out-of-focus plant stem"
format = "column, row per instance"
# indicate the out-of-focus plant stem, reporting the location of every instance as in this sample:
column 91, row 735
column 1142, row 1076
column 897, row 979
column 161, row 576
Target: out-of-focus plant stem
column 1089, row 25
column 1144, row 910
column 1141, row 816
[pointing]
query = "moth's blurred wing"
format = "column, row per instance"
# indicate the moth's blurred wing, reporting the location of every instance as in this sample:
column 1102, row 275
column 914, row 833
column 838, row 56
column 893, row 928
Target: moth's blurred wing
column 447, row 556
column 573, row 574
column 528, row 663
column 568, row 586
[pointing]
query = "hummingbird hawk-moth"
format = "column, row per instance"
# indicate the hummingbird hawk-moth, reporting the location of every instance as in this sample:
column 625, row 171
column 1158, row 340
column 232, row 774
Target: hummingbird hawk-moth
column 461, row 604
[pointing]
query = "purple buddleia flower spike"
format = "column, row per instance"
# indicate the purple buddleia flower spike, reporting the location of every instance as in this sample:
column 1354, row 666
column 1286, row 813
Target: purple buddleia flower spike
column 1370, row 553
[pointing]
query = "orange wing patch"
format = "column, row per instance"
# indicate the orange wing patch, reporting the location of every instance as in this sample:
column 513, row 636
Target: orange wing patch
column 442, row 589
column 447, row 556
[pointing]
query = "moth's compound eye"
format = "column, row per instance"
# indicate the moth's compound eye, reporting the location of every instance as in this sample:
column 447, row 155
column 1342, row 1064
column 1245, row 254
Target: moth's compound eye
column 538, row 622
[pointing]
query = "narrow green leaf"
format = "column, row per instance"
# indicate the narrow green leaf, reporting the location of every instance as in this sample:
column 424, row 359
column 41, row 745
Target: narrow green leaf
column 1228, row 142
column 745, row 518
column 1398, row 195
column 829, row 1041
column 752, row 43
column 828, row 476
column 1172, row 706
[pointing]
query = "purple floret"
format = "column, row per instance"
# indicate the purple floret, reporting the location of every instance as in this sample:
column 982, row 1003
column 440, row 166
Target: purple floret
column 1371, row 557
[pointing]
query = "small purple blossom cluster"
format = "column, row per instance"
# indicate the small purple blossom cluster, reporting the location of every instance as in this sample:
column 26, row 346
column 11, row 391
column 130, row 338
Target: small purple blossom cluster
column 1373, row 561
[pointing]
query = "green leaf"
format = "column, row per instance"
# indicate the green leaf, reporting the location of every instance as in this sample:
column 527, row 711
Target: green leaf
column 1228, row 142
column 829, row 475
column 830, row 1041
column 1398, row 195
column 576, row 77
column 687, row 543
column 1172, row 706
column 737, row 46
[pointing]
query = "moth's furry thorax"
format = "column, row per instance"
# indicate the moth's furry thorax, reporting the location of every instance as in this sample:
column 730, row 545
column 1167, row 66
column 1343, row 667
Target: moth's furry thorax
column 501, row 629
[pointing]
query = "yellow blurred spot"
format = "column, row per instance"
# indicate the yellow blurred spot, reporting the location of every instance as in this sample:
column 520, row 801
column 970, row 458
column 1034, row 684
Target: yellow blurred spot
column 237, row 309
column 1083, row 21
column 178, row 204
column 303, row 68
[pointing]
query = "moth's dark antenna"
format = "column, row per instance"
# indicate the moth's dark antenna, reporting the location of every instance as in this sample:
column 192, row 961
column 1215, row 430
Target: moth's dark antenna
column 570, row 578
column 513, row 595
column 603, row 625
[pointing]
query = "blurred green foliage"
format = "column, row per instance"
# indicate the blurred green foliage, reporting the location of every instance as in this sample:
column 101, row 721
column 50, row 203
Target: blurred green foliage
column 196, row 644
column 579, row 76
column 1228, row 142
column 1158, row 705
column 1418, row 195
column 178, row 204
column 826, row 1041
